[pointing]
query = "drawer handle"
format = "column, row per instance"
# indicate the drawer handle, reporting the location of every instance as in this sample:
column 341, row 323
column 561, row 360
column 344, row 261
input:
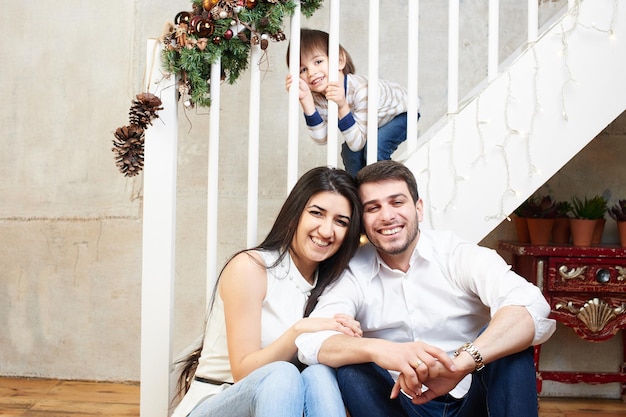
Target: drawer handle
column 595, row 313
column 572, row 273
column 603, row 275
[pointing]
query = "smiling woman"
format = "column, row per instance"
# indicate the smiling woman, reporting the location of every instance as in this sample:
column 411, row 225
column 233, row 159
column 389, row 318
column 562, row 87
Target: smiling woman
column 261, row 303
column 321, row 230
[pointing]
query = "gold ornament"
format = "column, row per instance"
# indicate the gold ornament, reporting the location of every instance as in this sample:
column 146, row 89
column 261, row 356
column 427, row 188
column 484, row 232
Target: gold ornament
column 208, row 4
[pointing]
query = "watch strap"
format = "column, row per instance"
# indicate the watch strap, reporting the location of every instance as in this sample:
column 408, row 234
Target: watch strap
column 474, row 353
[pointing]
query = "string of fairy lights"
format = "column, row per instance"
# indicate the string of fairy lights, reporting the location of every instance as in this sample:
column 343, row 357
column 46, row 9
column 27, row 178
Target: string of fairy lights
column 572, row 22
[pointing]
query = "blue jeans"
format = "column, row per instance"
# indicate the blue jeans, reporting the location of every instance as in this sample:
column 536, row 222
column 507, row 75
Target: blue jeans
column 321, row 392
column 275, row 389
column 504, row 388
column 390, row 136
column 278, row 390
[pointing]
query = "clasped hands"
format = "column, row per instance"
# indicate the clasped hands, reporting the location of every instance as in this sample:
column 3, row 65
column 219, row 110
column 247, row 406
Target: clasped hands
column 421, row 364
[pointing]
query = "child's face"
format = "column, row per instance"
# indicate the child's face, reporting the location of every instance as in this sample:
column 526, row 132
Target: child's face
column 314, row 71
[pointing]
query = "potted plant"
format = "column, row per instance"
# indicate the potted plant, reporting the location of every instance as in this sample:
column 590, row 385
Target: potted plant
column 539, row 212
column 561, row 229
column 521, row 225
column 588, row 217
column 618, row 213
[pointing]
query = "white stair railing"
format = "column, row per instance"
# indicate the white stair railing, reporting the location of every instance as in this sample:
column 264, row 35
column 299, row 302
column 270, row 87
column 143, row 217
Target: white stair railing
column 159, row 237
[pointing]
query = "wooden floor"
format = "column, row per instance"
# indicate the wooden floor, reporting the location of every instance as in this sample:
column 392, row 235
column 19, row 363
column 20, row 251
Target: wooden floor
column 54, row 398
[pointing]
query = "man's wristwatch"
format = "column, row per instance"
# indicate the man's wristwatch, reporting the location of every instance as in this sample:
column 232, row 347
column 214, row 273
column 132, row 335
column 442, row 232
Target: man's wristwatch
column 474, row 353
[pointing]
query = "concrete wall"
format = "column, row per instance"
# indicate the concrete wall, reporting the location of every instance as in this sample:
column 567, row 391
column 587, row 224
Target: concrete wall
column 70, row 223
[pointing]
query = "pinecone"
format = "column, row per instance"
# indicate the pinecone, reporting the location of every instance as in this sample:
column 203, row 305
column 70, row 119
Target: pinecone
column 243, row 37
column 197, row 8
column 128, row 149
column 223, row 9
column 144, row 110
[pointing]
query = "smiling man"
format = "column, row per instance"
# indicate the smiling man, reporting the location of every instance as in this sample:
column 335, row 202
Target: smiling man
column 448, row 327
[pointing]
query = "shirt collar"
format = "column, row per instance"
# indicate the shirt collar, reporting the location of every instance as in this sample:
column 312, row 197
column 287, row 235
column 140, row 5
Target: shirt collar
column 286, row 268
column 425, row 246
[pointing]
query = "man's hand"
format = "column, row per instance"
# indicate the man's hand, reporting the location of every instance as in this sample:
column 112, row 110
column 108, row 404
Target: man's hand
column 417, row 362
column 439, row 379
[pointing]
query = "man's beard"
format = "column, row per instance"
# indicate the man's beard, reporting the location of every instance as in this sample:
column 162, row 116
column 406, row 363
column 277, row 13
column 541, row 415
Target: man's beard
column 392, row 248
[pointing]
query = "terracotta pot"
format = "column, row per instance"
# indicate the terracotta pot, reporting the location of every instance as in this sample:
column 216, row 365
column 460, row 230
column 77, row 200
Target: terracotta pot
column 521, row 227
column 621, row 230
column 597, row 231
column 561, row 231
column 582, row 231
column 540, row 230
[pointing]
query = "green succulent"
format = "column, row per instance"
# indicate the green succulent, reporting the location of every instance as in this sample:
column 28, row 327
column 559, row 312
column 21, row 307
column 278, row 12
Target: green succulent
column 564, row 208
column 590, row 208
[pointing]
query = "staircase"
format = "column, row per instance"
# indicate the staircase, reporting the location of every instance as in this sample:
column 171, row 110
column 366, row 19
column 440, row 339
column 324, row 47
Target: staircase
column 476, row 166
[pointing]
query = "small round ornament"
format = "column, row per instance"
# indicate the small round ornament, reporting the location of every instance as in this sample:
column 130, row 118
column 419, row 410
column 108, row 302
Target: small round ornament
column 208, row 4
column 193, row 22
column 182, row 17
column 204, row 28
column 251, row 4
column 228, row 34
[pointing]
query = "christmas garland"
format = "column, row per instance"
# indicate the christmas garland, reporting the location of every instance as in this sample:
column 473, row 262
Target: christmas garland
column 223, row 29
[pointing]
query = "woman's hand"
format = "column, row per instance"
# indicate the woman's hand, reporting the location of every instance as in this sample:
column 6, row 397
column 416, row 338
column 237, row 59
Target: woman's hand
column 341, row 323
column 350, row 323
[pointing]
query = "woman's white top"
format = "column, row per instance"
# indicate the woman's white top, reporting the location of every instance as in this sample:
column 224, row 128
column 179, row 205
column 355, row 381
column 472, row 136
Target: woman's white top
column 286, row 296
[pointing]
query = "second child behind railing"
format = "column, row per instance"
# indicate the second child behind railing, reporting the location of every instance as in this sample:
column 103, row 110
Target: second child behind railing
column 351, row 95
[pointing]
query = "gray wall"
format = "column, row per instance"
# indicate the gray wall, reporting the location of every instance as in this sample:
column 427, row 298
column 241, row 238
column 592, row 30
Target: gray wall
column 70, row 223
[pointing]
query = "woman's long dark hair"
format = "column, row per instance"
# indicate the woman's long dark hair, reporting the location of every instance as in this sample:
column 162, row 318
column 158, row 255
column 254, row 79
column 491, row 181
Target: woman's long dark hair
column 281, row 235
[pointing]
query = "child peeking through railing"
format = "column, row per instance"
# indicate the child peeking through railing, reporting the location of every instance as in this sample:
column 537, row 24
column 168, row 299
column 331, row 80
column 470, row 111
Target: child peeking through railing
column 350, row 93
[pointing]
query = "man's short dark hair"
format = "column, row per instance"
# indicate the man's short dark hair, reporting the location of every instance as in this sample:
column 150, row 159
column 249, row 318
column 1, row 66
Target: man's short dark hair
column 388, row 170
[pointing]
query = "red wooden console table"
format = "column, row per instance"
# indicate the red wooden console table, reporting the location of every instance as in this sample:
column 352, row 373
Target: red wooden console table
column 586, row 289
